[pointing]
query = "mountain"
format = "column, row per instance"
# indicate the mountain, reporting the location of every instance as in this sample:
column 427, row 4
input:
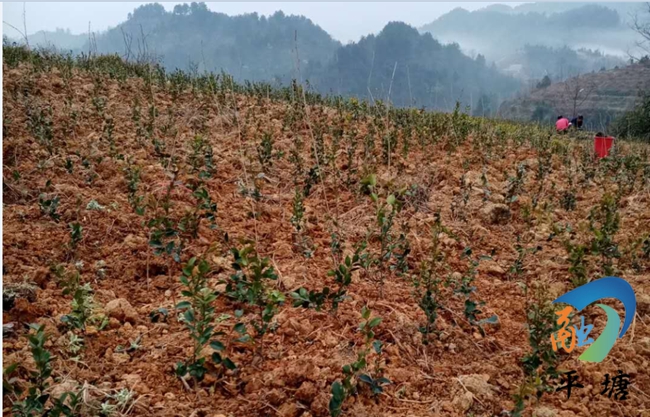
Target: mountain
column 258, row 48
column 600, row 97
column 415, row 69
column 502, row 32
column 249, row 46
column 624, row 10
column 59, row 38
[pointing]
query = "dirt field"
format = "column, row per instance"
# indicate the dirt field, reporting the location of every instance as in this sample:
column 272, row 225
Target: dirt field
column 85, row 152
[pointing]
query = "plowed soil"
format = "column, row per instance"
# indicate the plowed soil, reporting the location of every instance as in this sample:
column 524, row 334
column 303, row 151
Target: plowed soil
column 463, row 371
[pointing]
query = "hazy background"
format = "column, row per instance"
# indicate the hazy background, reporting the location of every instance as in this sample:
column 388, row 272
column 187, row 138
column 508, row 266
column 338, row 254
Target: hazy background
column 344, row 21
column 522, row 60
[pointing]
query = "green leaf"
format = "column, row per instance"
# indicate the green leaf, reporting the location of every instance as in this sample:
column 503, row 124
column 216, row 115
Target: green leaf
column 229, row 364
column 374, row 322
column 217, row 345
column 491, row 320
column 337, row 389
column 189, row 316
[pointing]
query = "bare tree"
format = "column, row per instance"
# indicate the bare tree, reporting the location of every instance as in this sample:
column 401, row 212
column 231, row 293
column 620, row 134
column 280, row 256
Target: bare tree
column 576, row 91
column 641, row 25
column 23, row 33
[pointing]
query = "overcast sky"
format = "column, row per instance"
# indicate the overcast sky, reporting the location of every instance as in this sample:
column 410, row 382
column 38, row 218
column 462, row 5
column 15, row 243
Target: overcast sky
column 344, row 21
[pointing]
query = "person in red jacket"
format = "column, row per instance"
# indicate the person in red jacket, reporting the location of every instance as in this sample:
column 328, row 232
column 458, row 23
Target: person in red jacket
column 562, row 124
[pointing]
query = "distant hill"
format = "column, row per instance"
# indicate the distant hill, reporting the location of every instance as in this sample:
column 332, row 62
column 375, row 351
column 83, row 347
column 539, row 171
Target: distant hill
column 499, row 31
column 426, row 73
column 250, row 47
column 624, row 10
column 600, row 97
column 258, row 48
column 61, row 39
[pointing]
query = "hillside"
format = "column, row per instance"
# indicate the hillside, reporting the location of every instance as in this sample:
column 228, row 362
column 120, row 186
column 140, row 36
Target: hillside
column 599, row 97
column 185, row 245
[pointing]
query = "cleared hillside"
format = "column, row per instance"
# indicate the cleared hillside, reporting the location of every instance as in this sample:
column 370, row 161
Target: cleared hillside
column 188, row 246
column 598, row 96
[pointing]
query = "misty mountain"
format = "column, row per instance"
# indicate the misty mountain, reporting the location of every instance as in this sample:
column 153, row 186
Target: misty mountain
column 416, row 69
column 501, row 33
column 249, row 47
column 59, row 38
column 624, row 10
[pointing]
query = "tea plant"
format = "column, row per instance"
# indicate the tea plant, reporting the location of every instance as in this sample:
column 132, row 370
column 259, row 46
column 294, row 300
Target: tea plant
column 265, row 151
column 163, row 236
column 485, row 186
column 82, row 305
column 198, row 315
column 250, row 284
column 426, row 285
column 578, row 268
column 540, row 365
column 37, row 402
column 202, row 158
column 516, row 184
column 49, row 207
column 75, row 235
column 466, row 289
column 132, row 177
column 385, row 213
column 298, row 210
column 204, row 208
column 343, row 277
column 358, row 371
column 39, row 122
column 603, row 223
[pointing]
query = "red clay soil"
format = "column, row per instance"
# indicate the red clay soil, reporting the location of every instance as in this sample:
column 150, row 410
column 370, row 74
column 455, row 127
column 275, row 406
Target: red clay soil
column 460, row 373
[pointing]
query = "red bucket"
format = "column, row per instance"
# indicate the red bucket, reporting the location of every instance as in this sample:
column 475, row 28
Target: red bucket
column 602, row 145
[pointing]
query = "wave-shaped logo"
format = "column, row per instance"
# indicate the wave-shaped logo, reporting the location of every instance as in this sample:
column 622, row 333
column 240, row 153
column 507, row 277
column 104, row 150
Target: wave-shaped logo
column 581, row 297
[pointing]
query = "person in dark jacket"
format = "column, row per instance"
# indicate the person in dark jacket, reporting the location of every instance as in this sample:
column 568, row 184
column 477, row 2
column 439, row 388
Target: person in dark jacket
column 576, row 122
